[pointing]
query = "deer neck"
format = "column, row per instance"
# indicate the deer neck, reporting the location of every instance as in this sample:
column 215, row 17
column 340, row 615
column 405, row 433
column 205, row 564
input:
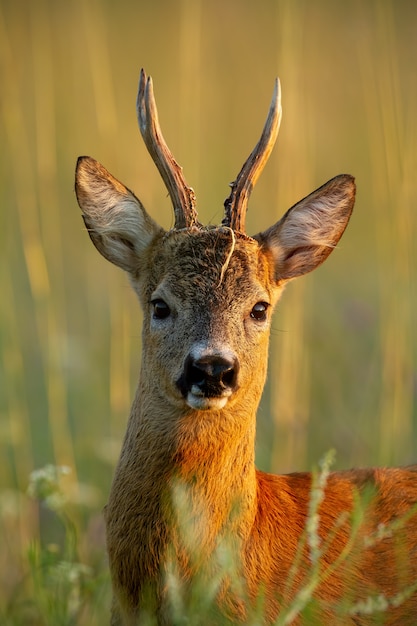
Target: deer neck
column 206, row 457
column 185, row 481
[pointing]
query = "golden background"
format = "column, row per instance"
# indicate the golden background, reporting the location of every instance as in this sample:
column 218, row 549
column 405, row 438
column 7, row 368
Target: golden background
column 343, row 346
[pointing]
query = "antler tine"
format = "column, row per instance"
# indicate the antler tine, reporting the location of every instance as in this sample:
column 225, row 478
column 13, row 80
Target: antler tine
column 182, row 196
column 236, row 204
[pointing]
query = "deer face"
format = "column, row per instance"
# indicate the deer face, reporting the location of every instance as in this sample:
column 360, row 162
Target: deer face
column 207, row 300
column 208, row 294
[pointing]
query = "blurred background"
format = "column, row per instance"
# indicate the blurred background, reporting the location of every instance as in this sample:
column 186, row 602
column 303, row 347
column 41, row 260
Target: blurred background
column 342, row 369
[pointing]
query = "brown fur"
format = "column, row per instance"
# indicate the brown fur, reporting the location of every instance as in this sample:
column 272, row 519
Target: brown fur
column 186, row 483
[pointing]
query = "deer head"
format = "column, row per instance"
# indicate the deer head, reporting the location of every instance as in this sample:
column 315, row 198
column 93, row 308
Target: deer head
column 207, row 292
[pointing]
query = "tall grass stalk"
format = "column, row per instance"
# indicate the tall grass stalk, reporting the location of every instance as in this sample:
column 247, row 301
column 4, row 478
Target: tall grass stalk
column 391, row 145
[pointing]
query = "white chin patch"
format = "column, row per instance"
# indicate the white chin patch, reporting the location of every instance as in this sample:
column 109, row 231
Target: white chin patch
column 204, row 404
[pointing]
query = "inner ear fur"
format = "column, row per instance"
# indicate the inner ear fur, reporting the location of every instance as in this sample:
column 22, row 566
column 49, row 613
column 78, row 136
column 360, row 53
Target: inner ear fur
column 305, row 236
column 116, row 221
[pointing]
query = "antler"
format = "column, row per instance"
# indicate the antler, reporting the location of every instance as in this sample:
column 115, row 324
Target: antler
column 235, row 205
column 182, row 196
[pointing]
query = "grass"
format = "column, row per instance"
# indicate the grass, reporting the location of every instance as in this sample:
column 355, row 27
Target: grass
column 62, row 590
column 343, row 347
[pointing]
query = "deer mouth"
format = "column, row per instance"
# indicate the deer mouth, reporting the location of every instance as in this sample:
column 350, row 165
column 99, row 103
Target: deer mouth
column 196, row 399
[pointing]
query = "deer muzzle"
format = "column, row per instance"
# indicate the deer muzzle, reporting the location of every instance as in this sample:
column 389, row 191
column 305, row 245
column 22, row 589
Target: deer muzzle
column 208, row 381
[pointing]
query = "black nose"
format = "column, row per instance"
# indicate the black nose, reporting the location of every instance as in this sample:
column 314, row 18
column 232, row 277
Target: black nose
column 212, row 375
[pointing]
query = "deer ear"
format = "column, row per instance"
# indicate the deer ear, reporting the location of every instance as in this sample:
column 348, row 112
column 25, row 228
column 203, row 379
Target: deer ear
column 305, row 236
column 116, row 221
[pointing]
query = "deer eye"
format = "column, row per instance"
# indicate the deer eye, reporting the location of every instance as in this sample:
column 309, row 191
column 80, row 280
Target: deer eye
column 160, row 309
column 258, row 312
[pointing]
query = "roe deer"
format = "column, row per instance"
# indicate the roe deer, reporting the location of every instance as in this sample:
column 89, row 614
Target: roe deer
column 207, row 295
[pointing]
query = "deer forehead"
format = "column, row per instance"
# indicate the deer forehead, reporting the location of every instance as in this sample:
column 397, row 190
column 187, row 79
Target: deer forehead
column 209, row 265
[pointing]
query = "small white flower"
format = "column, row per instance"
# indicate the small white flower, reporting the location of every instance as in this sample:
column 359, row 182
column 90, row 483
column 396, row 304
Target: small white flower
column 44, row 485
